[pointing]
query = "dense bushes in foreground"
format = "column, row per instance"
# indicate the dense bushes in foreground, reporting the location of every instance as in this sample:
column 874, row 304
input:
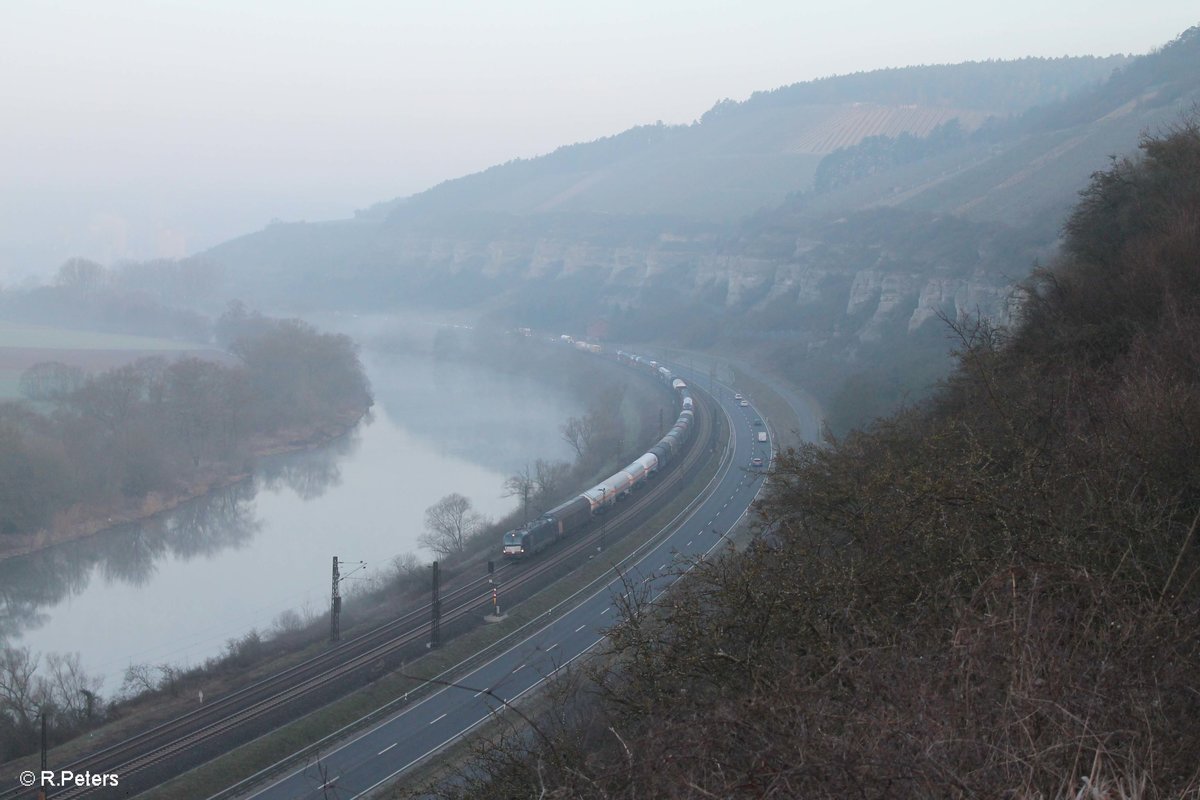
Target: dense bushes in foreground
column 995, row 595
column 158, row 426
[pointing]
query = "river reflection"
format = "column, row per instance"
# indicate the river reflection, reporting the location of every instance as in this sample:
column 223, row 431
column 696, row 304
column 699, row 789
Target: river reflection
column 126, row 554
column 174, row 589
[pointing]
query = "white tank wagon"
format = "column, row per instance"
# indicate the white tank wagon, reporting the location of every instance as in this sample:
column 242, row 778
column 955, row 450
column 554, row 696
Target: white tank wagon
column 647, row 465
column 612, row 489
column 573, row 514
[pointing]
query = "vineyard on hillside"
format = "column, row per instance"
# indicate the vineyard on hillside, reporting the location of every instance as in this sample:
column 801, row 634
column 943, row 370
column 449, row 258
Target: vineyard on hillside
column 849, row 125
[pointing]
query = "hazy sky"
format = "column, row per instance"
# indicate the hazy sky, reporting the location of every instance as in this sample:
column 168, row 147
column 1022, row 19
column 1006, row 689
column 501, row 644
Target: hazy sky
column 136, row 129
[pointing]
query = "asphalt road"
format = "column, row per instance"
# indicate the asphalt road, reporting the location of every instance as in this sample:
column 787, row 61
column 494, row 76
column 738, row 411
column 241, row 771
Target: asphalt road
column 376, row 757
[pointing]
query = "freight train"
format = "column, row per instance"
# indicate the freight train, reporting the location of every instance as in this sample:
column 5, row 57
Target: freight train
column 565, row 519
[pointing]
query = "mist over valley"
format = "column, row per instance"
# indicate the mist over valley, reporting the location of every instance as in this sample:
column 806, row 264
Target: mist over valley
column 835, row 437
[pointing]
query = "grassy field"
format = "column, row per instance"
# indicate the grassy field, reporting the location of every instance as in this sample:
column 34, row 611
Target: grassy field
column 42, row 337
column 23, row 345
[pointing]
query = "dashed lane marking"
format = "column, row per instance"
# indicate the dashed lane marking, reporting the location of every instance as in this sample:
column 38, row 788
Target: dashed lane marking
column 581, row 627
column 551, row 647
column 389, row 747
column 439, row 719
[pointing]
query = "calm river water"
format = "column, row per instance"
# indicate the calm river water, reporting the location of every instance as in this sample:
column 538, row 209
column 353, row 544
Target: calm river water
column 176, row 589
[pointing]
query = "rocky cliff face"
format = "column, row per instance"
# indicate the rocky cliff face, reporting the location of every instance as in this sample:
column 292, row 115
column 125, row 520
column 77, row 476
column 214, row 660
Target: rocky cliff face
column 865, row 292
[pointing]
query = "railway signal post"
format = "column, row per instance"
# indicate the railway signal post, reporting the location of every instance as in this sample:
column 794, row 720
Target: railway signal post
column 335, row 606
column 41, row 795
column 335, row 598
column 495, row 588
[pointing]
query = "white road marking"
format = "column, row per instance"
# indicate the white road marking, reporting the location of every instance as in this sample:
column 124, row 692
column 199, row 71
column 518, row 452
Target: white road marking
column 439, row 719
column 581, row 627
column 518, row 669
column 389, row 747
column 551, row 647
column 689, row 544
column 605, row 611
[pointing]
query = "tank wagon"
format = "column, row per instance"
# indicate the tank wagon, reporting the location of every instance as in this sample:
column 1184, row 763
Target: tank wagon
column 561, row 521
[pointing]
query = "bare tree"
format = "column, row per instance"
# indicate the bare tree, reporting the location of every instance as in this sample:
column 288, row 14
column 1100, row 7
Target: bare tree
column 448, row 524
column 579, row 432
column 82, row 275
column 194, row 394
column 407, row 563
column 289, row 621
column 50, row 380
column 521, row 485
column 408, row 570
column 20, row 693
column 112, row 397
column 139, row 679
column 69, row 688
column 549, row 478
column 171, row 676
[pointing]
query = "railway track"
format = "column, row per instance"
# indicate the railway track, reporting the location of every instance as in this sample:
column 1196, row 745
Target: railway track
column 223, row 717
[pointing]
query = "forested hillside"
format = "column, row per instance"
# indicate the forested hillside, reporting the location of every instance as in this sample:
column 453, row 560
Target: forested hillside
column 677, row 181
column 740, row 156
column 996, row 594
column 840, row 288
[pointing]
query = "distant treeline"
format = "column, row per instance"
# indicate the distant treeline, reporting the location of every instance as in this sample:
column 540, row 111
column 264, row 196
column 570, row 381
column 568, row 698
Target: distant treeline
column 151, row 298
column 997, row 86
column 159, row 426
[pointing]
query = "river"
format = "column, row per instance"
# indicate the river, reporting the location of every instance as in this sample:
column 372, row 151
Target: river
column 175, row 589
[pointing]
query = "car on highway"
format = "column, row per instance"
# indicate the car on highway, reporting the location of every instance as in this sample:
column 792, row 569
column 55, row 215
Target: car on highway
column 744, row 403
column 756, row 462
column 737, row 397
column 757, row 423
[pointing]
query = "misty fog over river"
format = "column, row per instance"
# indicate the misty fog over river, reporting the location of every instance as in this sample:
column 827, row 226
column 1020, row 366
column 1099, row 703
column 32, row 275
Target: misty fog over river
column 176, row 588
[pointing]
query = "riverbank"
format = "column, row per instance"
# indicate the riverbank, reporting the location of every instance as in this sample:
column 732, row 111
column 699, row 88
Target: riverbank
column 89, row 519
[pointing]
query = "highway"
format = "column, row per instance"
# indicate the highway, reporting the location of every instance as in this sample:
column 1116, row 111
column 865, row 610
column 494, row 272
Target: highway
column 372, row 759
